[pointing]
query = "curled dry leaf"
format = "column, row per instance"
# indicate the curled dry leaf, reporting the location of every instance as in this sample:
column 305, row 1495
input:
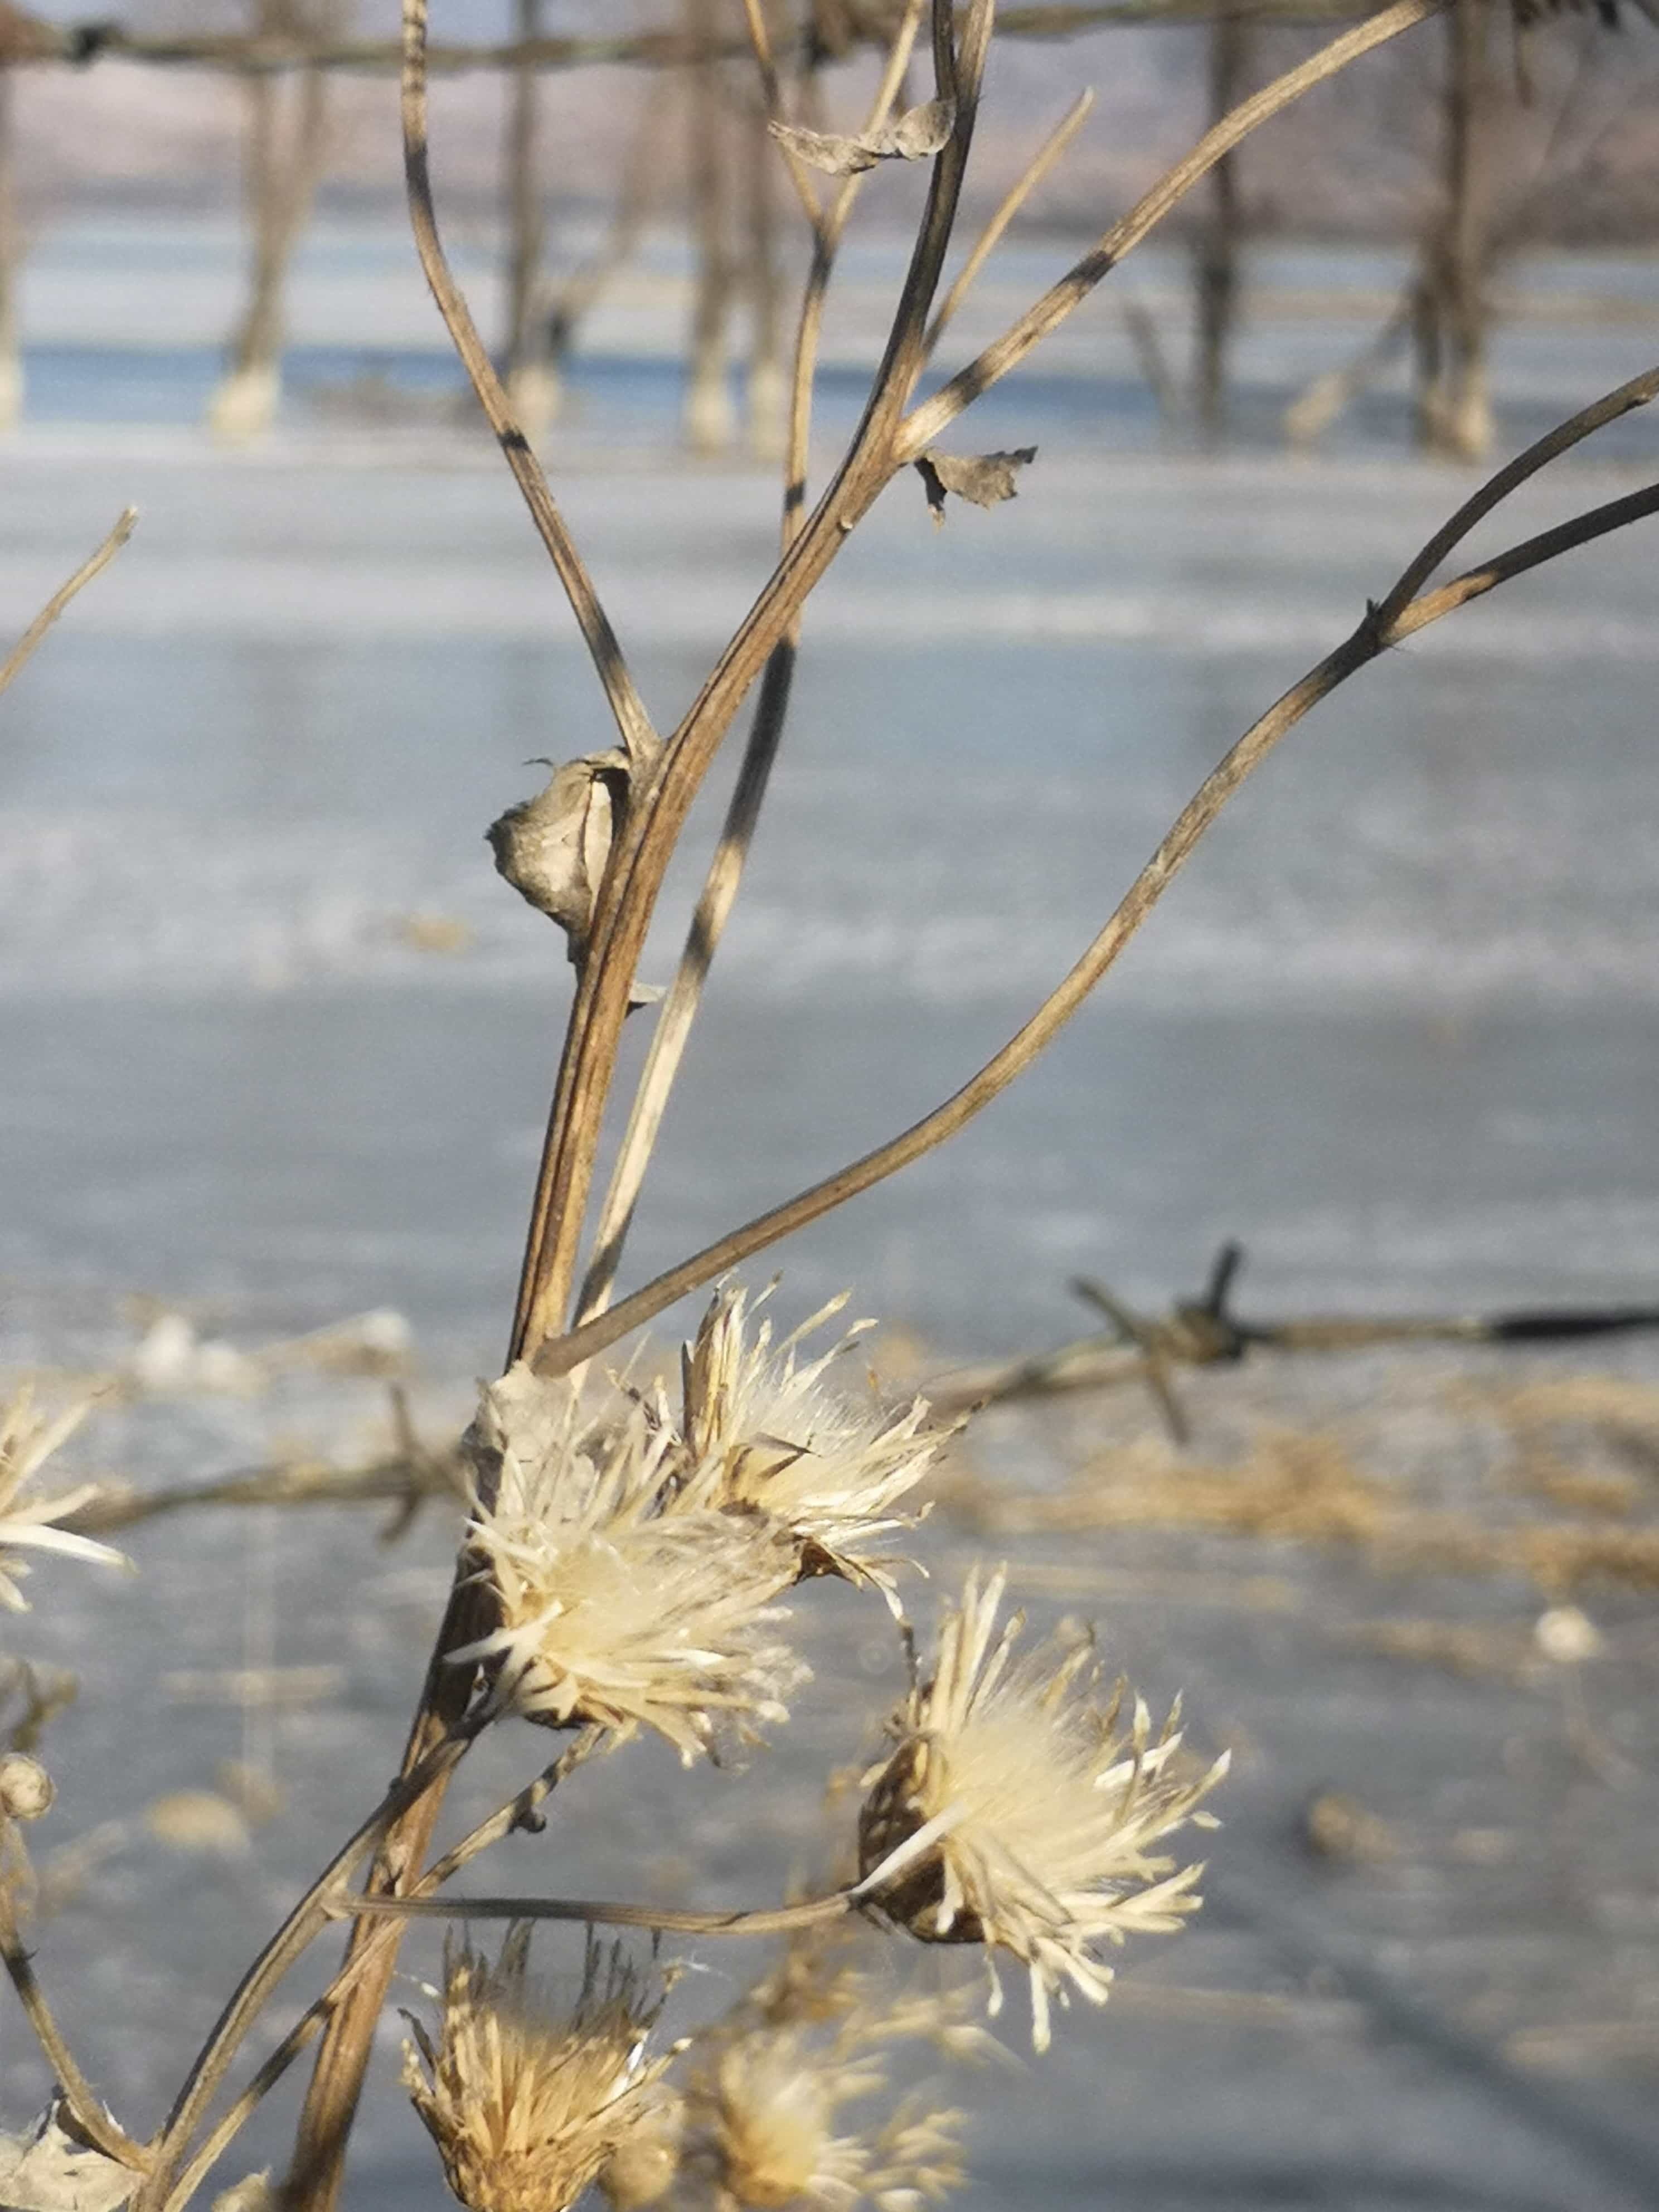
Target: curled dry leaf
column 49, row 2170
column 918, row 132
column 553, row 849
column 985, row 479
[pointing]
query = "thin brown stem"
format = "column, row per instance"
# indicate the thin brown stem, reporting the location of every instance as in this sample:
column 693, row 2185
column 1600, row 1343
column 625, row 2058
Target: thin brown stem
column 926, row 423
column 725, row 876
column 60, row 598
column 776, row 1920
column 1041, row 162
column 760, row 38
column 1373, row 636
column 639, row 739
column 1531, row 553
column 380, row 1943
column 663, row 49
column 303, row 1925
column 85, row 2107
column 1638, row 392
column 629, row 895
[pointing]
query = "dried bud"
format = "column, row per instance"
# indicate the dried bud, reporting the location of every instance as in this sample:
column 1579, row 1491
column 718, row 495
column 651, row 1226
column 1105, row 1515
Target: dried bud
column 553, row 849
column 27, row 1790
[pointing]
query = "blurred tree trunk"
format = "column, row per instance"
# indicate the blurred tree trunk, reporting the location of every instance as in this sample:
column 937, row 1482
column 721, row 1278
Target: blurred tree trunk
column 763, row 281
column 637, row 194
column 11, row 350
column 286, row 143
column 1452, row 313
column 708, row 418
column 531, row 378
column 1216, row 253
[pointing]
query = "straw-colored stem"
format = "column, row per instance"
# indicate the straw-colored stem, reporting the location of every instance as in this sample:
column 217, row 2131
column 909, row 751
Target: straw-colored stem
column 303, row 1924
column 60, row 598
column 725, row 876
column 884, row 445
column 380, row 1943
column 935, row 414
column 671, row 1920
column 1377, row 632
column 1041, row 162
column 85, row 2107
column 629, row 895
column 1638, row 392
column 639, row 737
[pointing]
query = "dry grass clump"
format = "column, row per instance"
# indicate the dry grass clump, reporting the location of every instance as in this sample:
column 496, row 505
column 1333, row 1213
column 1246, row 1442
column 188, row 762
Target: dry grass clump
column 1302, row 1487
column 526, row 2101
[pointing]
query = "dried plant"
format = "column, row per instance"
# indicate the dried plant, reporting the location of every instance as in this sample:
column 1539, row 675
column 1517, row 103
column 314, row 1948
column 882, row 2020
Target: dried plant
column 1014, row 1813
column 625, row 1554
column 527, row 2101
column 620, row 1598
column 27, row 1442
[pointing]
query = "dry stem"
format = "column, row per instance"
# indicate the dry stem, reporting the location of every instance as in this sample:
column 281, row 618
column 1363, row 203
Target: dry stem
column 925, row 424
column 1018, row 192
column 99, row 562
column 720, row 885
column 638, row 864
column 639, row 737
column 378, row 1945
column 303, row 1924
column 1374, row 635
column 85, row 2107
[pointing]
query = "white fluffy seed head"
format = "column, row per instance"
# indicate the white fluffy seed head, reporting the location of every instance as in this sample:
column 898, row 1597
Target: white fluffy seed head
column 765, row 1431
column 617, row 1600
column 1015, row 1812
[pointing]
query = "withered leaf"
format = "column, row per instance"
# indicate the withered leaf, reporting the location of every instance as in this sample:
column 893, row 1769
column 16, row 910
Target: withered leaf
column 985, row 479
column 49, row 2170
column 553, row 849
column 918, row 132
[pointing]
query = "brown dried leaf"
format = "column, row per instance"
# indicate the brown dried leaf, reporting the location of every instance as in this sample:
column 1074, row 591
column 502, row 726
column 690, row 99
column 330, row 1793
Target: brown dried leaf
column 985, row 479
column 553, row 849
column 918, row 132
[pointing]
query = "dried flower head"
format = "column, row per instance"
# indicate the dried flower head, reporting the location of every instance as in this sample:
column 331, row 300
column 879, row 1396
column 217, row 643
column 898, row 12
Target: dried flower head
column 1014, row 1813
column 27, row 1442
column 788, row 2101
column 526, row 2106
column 766, row 1434
column 774, row 2132
column 619, row 1600
column 646, row 2163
